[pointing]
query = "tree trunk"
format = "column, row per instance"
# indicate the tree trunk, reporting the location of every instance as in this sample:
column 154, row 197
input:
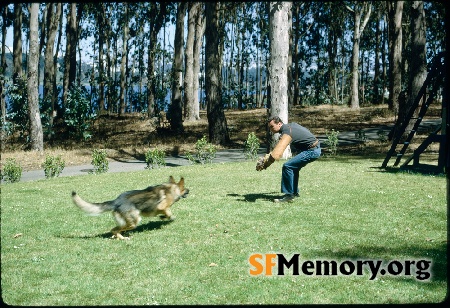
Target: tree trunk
column 199, row 32
column 395, row 11
column 176, row 107
column 279, row 29
column 418, row 71
column 189, row 63
column 295, row 66
column 123, row 62
column 49, row 95
column 156, row 22
column 217, row 124
column 2, row 80
column 377, row 95
column 17, row 42
column 36, row 135
column 3, row 69
column 241, row 81
column 102, row 37
column 360, row 8
column 70, row 58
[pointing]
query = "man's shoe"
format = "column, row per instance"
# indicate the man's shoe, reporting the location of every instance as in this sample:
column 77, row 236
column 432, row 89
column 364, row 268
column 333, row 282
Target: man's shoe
column 286, row 198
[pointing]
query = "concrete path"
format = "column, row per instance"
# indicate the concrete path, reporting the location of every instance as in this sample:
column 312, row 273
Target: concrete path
column 228, row 155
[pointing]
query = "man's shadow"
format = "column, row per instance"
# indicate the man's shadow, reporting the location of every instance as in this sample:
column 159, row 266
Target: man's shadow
column 254, row 197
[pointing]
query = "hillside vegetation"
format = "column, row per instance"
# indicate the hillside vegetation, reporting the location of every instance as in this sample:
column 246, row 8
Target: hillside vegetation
column 130, row 136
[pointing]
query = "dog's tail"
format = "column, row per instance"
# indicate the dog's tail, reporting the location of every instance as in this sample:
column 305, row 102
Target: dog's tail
column 92, row 208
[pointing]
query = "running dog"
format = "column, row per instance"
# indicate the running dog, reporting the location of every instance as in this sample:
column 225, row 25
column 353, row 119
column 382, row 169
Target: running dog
column 129, row 206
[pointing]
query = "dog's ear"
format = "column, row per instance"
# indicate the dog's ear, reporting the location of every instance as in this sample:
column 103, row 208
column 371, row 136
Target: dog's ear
column 181, row 182
column 172, row 180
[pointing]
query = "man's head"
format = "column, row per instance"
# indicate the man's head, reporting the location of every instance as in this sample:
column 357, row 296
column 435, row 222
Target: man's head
column 274, row 124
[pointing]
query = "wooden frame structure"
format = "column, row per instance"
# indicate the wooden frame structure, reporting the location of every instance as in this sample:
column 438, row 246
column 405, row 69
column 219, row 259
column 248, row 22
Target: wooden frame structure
column 427, row 94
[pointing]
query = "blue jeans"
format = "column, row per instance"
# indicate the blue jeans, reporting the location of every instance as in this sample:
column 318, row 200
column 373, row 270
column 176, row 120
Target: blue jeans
column 291, row 169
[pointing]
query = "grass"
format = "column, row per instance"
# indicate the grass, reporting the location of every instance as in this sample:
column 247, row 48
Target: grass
column 53, row 254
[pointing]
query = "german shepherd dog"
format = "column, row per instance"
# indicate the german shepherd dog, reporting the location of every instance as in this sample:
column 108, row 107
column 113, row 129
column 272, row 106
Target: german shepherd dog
column 129, row 206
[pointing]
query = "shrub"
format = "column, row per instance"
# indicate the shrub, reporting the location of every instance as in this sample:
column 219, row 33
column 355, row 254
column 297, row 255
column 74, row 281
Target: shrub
column 99, row 161
column 190, row 157
column 12, row 171
column 18, row 107
column 382, row 137
column 53, row 166
column 361, row 135
column 205, row 152
column 77, row 114
column 155, row 158
column 332, row 140
column 251, row 146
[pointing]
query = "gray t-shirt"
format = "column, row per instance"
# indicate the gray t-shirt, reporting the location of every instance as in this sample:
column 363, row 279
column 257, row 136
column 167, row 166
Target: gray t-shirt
column 302, row 138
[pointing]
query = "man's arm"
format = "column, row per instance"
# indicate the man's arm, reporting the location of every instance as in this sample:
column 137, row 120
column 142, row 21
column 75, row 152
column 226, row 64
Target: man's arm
column 276, row 154
column 282, row 144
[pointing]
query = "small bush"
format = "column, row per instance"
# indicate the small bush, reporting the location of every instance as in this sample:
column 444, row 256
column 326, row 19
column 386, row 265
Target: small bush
column 99, row 161
column 332, row 140
column 205, row 152
column 382, row 137
column 78, row 113
column 12, row 171
column 53, row 166
column 251, row 146
column 155, row 158
column 18, row 107
column 361, row 135
column 190, row 157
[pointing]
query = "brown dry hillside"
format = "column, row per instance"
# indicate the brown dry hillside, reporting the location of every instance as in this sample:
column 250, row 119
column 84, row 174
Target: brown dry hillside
column 130, row 136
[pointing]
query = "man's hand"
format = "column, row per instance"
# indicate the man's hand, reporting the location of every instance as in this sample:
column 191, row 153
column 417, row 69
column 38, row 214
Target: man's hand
column 264, row 162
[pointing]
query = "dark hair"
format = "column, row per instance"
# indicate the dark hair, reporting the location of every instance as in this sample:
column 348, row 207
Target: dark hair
column 276, row 119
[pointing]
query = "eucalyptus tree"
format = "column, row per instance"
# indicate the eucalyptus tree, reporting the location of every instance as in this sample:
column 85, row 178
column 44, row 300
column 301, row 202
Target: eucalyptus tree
column 244, row 28
column 230, row 38
column 36, row 133
column 437, row 24
column 138, row 75
column 102, row 33
column 261, row 42
column 217, row 124
column 377, row 26
column 198, row 42
column 335, row 31
column 50, row 90
column 5, row 23
column 279, row 29
column 157, row 12
column 17, row 42
column 70, row 56
column 176, row 106
column 189, row 108
column 360, row 12
column 395, row 15
column 123, row 63
column 418, row 57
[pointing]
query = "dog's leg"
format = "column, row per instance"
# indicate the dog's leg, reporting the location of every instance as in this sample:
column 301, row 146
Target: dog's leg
column 116, row 233
column 126, row 221
column 167, row 214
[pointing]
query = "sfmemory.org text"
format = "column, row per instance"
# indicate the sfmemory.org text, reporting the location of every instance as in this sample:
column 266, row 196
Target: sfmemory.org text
column 272, row 264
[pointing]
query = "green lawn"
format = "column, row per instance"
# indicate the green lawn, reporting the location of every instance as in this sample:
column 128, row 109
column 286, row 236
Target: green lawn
column 54, row 254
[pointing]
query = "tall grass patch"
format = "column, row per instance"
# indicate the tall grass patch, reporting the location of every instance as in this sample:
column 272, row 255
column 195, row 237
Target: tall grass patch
column 54, row 254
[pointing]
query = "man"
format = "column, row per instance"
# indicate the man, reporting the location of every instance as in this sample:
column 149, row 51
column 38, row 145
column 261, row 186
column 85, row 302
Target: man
column 305, row 148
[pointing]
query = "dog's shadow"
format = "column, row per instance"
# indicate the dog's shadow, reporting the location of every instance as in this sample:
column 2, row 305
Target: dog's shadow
column 151, row 225
column 254, row 197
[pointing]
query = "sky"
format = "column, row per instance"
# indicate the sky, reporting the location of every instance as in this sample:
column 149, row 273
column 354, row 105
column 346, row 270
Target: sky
column 85, row 44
